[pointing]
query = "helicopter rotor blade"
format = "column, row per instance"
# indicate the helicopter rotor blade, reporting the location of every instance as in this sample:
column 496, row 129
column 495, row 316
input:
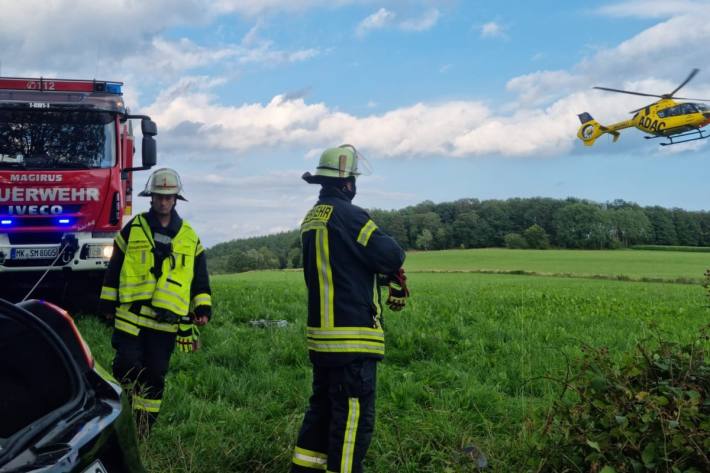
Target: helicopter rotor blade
column 688, row 79
column 639, row 109
column 695, row 100
column 627, row 92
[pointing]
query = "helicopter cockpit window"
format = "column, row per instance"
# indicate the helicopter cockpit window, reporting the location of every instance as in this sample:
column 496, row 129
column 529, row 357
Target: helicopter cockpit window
column 674, row 111
column 663, row 113
column 702, row 107
column 687, row 108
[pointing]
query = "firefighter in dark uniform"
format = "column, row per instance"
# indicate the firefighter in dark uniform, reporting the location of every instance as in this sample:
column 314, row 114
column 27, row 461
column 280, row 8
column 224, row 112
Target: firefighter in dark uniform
column 345, row 258
column 157, row 289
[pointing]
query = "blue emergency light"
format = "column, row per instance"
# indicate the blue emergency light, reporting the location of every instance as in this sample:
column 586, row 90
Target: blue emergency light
column 6, row 221
column 113, row 87
column 64, row 221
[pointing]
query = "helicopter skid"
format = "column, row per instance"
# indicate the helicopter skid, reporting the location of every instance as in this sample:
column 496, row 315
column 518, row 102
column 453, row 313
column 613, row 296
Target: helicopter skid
column 696, row 134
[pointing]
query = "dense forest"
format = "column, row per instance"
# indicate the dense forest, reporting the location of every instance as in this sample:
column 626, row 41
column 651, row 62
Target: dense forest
column 537, row 223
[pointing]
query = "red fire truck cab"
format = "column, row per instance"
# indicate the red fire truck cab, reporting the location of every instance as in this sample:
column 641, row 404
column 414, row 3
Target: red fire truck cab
column 66, row 163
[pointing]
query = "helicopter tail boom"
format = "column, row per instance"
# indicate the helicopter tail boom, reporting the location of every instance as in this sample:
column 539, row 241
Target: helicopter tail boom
column 592, row 129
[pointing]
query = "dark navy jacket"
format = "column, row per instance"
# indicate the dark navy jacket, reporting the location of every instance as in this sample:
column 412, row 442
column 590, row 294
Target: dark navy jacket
column 343, row 252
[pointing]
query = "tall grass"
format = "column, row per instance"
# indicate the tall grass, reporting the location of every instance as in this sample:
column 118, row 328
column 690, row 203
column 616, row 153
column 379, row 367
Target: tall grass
column 468, row 361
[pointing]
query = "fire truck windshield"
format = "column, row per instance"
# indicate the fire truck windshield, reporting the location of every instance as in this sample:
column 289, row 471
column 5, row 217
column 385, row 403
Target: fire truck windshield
column 56, row 139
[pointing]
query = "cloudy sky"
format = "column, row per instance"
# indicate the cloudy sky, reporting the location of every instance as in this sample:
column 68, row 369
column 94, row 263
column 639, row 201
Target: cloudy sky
column 446, row 98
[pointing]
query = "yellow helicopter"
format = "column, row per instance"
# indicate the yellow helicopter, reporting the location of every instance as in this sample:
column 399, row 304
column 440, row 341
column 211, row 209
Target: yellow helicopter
column 665, row 118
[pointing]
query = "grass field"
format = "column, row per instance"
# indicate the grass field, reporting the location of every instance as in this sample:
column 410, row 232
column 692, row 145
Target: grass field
column 465, row 360
column 624, row 264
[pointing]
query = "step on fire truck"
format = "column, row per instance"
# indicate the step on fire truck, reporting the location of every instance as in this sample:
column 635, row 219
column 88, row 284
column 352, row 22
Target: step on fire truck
column 66, row 163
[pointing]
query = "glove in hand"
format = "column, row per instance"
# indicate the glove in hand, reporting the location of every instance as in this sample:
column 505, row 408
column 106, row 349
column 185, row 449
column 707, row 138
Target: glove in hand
column 184, row 344
column 187, row 340
column 398, row 291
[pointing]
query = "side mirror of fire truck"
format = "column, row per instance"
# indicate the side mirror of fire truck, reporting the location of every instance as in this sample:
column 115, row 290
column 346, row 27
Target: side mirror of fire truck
column 148, row 127
column 149, row 149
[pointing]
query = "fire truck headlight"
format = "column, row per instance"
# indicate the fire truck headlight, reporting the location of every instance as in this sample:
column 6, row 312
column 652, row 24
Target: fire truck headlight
column 99, row 251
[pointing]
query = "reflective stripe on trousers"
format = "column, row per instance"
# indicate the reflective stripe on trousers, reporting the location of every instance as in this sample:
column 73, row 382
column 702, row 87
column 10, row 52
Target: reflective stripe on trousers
column 338, row 425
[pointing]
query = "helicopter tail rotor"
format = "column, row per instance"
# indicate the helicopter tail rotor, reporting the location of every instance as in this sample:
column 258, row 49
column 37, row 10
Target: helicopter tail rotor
column 592, row 129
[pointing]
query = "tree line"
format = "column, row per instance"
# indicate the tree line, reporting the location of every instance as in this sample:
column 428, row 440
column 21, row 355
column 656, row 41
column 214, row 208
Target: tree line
column 536, row 223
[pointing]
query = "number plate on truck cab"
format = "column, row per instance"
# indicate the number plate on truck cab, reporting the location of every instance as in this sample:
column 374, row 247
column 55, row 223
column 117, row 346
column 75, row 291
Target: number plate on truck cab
column 34, row 253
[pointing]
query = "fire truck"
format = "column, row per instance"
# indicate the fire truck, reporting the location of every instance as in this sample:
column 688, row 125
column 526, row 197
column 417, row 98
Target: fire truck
column 66, row 164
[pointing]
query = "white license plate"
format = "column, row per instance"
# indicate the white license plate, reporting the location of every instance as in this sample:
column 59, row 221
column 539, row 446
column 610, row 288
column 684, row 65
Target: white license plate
column 34, row 253
column 96, row 467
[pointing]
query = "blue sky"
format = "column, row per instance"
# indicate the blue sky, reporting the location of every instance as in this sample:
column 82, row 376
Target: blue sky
column 447, row 98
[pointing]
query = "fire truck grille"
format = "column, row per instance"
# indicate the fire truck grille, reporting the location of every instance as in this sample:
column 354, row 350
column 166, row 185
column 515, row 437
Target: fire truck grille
column 35, row 238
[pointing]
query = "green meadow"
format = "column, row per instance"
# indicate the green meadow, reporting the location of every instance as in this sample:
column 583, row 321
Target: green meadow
column 472, row 360
column 621, row 264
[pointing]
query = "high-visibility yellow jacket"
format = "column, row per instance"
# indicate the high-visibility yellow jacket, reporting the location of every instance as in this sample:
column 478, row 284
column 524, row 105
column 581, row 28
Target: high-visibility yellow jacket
column 143, row 292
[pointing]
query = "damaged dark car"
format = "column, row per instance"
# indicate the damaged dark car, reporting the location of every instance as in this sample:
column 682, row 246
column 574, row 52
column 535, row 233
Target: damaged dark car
column 59, row 410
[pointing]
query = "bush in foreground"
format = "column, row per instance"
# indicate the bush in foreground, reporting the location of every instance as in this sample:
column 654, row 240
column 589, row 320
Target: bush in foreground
column 649, row 413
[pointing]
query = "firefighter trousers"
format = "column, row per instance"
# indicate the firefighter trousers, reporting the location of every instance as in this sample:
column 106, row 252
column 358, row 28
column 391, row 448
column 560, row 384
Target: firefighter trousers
column 141, row 363
column 340, row 419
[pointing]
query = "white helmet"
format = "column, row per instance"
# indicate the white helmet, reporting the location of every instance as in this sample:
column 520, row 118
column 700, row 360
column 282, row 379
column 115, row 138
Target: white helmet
column 163, row 181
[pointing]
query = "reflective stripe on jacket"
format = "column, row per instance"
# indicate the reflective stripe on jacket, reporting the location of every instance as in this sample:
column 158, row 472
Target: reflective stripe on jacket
column 131, row 318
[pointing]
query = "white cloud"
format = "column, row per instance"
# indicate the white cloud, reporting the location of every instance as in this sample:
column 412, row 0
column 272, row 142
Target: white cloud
column 634, row 64
column 668, row 43
column 258, row 7
column 380, row 19
column 653, row 8
column 682, row 148
column 76, row 34
column 210, row 141
column 97, row 42
column 445, row 68
column 427, row 21
column 384, row 18
column 543, row 119
column 419, row 129
column 223, row 207
column 542, row 86
column 192, row 119
column 492, row 29
column 252, row 205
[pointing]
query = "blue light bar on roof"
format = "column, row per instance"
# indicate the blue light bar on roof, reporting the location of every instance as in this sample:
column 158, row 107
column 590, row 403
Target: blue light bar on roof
column 113, row 88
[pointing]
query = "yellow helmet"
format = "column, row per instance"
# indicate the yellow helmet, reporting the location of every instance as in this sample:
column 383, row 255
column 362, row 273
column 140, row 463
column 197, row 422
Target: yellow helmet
column 164, row 181
column 340, row 163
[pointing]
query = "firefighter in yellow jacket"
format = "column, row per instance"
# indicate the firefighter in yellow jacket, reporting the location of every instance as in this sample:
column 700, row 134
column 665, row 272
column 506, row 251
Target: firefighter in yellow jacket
column 157, row 288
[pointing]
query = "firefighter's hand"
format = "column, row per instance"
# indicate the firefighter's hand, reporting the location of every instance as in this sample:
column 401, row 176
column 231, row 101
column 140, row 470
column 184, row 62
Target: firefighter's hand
column 107, row 309
column 398, row 291
column 201, row 315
